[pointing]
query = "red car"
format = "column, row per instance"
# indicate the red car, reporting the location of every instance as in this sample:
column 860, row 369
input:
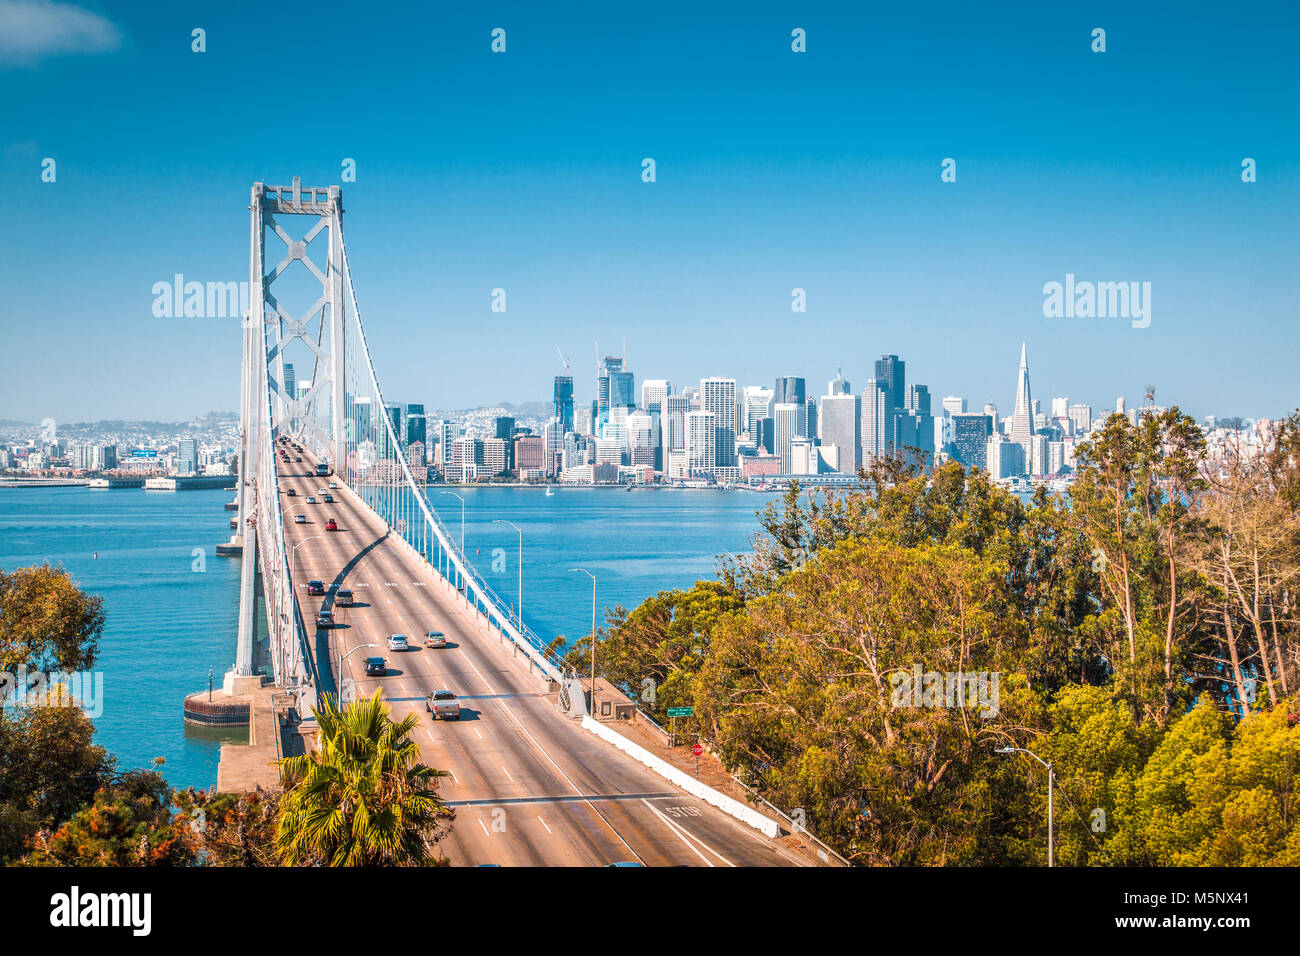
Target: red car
column 315, row 587
column 331, row 526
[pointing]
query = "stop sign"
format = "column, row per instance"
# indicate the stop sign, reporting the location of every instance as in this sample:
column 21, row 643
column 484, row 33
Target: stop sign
column 697, row 749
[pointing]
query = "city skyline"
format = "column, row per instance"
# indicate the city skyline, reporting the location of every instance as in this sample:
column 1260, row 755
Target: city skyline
column 771, row 177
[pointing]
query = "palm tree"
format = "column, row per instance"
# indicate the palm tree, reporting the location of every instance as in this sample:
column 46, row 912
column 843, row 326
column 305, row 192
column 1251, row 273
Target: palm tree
column 361, row 798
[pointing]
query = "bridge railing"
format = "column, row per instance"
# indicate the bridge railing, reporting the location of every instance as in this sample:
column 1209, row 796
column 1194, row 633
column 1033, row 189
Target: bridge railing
column 427, row 529
column 291, row 659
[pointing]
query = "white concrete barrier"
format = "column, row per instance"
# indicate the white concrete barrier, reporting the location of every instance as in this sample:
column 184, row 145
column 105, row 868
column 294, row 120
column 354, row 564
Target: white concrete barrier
column 728, row 805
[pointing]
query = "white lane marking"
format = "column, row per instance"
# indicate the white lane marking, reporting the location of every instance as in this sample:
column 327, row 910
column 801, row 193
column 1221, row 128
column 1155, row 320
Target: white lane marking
column 686, row 835
column 484, row 826
column 548, row 829
column 576, row 789
column 480, row 736
column 503, row 767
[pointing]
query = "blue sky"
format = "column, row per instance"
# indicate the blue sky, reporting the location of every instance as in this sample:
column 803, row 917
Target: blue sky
column 775, row 170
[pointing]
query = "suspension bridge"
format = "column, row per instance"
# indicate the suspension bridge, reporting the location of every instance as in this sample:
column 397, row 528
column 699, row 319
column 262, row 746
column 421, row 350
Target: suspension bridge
column 530, row 785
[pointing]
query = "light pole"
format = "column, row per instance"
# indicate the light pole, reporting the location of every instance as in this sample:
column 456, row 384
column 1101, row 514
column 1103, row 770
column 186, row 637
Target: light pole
column 462, row 521
column 293, row 553
column 593, row 636
column 342, row 658
column 1051, row 855
column 521, row 569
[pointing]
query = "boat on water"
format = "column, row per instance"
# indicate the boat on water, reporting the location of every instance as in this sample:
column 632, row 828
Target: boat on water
column 550, row 492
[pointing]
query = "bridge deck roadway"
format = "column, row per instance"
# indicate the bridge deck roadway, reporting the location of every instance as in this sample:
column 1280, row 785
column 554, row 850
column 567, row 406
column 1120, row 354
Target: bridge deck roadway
column 529, row 786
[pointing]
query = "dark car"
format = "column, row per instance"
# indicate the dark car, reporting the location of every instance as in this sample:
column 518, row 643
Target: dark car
column 315, row 587
column 343, row 598
column 292, row 493
column 376, row 667
column 297, row 457
column 324, row 619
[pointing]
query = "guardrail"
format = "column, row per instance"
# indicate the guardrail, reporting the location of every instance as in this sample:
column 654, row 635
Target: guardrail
column 824, row 851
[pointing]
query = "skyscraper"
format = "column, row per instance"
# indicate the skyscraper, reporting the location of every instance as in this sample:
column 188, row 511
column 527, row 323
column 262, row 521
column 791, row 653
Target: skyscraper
column 891, row 374
column 416, row 429
column 1022, row 419
column 757, row 405
column 1081, row 415
column 790, row 421
column 970, row 438
column 187, row 456
column 563, row 410
column 673, row 422
column 701, row 442
column 718, row 395
column 653, row 393
column 789, row 389
column 841, row 425
column 837, row 385
column 876, row 422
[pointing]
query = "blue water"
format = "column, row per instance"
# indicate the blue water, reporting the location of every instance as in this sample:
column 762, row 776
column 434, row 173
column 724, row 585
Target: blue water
column 168, row 623
column 170, row 615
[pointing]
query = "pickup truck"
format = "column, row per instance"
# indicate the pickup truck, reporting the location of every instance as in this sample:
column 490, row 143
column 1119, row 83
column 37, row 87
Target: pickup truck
column 443, row 703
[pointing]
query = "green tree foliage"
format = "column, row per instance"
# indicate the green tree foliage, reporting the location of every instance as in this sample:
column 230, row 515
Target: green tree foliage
column 131, row 822
column 232, row 829
column 1145, row 635
column 49, row 769
column 361, row 798
column 46, row 622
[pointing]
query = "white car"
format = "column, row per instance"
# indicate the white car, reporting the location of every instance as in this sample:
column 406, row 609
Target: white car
column 311, row 499
column 299, row 519
column 398, row 642
column 334, row 484
column 435, row 639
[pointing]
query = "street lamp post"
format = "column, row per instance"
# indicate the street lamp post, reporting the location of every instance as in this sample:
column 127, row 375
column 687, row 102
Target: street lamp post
column 462, row 521
column 593, row 636
column 521, row 569
column 1051, row 854
column 293, row 553
column 342, row 658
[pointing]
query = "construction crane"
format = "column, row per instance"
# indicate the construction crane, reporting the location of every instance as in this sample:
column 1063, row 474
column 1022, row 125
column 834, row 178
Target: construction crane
column 562, row 358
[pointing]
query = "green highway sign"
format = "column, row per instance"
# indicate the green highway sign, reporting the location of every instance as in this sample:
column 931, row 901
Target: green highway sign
column 681, row 711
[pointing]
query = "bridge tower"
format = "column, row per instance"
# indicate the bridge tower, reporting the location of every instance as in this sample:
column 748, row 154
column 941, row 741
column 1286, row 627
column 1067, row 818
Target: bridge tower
column 269, row 409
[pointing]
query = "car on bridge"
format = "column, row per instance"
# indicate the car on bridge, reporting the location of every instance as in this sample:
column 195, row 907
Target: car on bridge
column 299, row 519
column 398, row 642
column 331, row 526
column 435, row 639
column 292, row 493
column 327, row 498
column 443, row 703
column 315, row 587
column 376, row 667
column 324, row 619
column 311, row 499
column 297, row 457
column 334, row 484
column 343, row 598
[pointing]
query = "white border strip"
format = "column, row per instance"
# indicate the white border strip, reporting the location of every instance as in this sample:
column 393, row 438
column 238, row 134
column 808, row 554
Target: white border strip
column 726, row 804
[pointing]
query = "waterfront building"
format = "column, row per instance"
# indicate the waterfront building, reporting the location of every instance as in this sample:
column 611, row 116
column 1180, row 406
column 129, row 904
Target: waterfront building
column 701, row 442
column 841, row 426
column 718, row 395
column 790, row 422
